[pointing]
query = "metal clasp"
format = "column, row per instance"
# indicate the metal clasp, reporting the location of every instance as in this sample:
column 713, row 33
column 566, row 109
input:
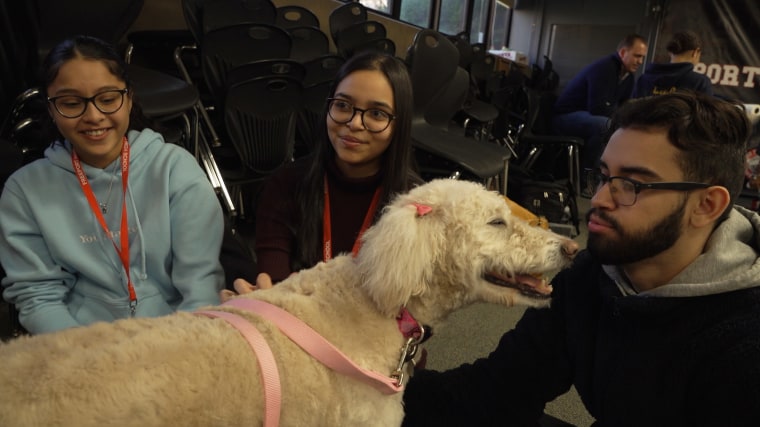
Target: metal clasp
column 408, row 351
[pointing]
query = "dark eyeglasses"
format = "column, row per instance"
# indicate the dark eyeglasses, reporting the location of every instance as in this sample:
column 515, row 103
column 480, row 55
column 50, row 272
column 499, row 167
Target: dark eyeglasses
column 374, row 119
column 624, row 191
column 73, row 106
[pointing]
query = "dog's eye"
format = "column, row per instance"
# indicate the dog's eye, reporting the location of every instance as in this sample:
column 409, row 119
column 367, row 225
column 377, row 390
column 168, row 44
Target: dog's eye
column 497, row 222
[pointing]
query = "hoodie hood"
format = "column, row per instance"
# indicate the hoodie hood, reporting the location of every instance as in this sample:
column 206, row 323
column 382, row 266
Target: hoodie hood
column 59, row 153
column 665, row 78
column 729, row 262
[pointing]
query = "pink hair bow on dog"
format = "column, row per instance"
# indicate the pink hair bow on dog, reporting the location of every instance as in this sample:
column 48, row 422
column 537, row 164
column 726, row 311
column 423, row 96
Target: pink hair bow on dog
column 422, row 210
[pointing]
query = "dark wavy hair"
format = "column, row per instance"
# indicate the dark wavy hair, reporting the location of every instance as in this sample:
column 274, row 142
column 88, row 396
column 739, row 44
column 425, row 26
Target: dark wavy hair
column 92, row 48
column 398, row 170
column 683, row 41
column 711, row 134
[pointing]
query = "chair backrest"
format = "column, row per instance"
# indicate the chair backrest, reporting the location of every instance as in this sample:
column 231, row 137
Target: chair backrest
column 226, row 48
column 322, row 69
column 192, row 10
column 266, row 68
column 385, row 45
column 107, row 20
column 308, row 43
column 433, row 61
column 260, row 117
column 222, row 13
column 462, row 42
column 449, row 100
column 346, row 15
column 295, row 16
column 355, row 35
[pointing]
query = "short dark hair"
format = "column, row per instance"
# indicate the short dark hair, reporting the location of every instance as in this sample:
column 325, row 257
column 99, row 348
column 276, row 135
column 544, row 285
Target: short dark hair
column 629, row 40
column 683, row 41
column 711, row 134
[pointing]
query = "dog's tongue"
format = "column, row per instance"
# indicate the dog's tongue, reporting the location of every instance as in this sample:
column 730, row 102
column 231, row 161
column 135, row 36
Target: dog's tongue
column 536, row 283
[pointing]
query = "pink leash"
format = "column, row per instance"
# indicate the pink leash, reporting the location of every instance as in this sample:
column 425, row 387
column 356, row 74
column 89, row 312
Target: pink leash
column 303, row 335
column 270, row 376
column 316, row 345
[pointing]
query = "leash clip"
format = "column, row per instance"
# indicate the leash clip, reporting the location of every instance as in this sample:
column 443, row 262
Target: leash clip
column 408, row 351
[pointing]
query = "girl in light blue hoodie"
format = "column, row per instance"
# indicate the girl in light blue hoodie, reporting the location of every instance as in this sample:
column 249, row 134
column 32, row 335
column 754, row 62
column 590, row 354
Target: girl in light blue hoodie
column 113, row 222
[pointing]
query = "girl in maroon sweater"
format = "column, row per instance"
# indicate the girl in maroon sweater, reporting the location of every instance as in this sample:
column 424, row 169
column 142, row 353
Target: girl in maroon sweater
column 317, row 207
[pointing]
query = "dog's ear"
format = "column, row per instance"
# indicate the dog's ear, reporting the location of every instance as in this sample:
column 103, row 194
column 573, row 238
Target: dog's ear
column 398, row 253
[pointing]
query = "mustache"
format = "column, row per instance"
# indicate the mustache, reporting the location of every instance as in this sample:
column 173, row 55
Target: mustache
column 603, row 216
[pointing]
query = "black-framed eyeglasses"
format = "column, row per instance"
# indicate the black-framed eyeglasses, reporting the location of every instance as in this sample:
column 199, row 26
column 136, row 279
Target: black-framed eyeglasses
column 73, row 106
column 625, row 191
column 374, row 119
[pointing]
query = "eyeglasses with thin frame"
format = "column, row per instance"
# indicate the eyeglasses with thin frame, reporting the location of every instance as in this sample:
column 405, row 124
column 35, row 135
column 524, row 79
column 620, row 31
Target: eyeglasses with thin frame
column 625, row 191
column 73, row 106
column 374, row 120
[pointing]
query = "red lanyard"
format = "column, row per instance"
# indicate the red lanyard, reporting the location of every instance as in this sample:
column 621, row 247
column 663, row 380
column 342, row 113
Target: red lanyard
column 124, row 236
column 327, row 227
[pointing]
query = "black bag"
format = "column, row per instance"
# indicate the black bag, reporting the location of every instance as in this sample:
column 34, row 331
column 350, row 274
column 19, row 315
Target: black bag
column 544, row 196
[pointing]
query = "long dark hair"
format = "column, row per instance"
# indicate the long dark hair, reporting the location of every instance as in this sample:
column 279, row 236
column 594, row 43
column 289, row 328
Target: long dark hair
column 397, row 166
column 95, row 49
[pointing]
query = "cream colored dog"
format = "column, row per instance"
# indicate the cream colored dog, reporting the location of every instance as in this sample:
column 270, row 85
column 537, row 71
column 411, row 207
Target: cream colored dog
column 442, row 246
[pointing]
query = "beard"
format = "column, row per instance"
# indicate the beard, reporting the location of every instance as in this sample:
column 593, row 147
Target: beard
column 631, row 247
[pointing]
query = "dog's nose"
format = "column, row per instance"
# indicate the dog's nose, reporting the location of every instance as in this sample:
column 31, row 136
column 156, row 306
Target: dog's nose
column 569, row 248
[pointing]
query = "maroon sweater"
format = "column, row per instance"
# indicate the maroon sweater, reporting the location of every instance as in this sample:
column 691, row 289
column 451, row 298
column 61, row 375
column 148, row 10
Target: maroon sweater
column 278, row 221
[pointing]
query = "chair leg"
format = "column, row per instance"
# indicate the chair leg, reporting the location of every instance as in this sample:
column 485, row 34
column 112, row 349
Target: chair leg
column 215, row 142
column 574, row 168
column 203, row 153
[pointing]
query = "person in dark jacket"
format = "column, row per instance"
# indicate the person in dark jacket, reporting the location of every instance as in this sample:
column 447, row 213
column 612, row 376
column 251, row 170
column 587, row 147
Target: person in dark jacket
column 589, row 99
column 657, row 322
column 685, row 49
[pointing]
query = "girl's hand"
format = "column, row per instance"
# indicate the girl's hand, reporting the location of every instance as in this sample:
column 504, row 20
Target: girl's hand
column 242, row 286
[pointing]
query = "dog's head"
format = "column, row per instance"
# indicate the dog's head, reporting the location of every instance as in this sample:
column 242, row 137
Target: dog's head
column 450, row 243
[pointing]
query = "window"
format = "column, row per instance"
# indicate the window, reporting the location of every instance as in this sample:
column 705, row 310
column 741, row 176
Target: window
column 378, row 5
column 453, row 15
column 485, row 21
column 479, row 21
column 416, row 12
column 500, row 26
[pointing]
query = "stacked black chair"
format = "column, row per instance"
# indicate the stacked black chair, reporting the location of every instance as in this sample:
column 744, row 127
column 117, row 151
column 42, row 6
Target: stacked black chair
column 295, row 16
column 260, row 116
column 228, row 47
column 221, row 13
column 344, row 16
column 308, row 43
column 437, row 84
column 352, row 38
column 320, row 73
column 537, row 138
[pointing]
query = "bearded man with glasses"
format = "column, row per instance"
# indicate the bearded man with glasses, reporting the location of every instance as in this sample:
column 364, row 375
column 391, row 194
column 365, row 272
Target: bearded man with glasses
column 657, row 323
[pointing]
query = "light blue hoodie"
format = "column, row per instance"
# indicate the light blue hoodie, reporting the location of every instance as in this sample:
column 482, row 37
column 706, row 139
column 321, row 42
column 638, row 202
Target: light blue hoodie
column 61, row 268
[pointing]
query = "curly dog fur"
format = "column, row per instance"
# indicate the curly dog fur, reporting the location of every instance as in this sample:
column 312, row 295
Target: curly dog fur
column 190, row 370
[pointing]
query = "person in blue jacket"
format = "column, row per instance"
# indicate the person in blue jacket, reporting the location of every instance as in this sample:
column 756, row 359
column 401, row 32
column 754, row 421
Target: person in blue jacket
column 685, row 50
column 113, row 222
column 589, row 99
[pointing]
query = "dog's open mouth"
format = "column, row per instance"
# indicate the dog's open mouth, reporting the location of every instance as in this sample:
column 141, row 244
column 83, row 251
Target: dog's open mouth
column 529, row 285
